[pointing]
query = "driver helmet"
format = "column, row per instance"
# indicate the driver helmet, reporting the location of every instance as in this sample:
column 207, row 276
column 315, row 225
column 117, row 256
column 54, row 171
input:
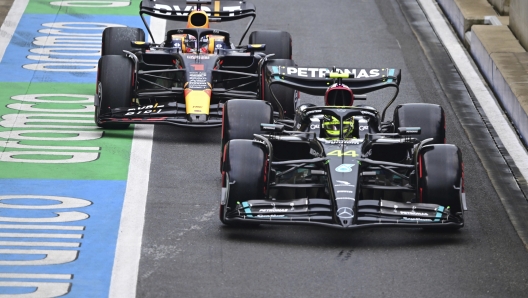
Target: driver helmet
column 331, row 126
column 191, row 44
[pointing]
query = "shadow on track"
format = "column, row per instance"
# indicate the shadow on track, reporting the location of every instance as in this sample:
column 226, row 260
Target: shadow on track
column 329, row 238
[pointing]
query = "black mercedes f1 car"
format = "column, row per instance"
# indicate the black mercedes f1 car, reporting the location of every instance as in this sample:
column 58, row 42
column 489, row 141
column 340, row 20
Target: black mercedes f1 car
column 339, row 164
column 185, row 79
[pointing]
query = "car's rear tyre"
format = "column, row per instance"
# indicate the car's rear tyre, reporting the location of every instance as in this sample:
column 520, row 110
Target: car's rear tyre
column 244, row 174
column 285, row 96
column 241, row 119
column 430, row 117
column 277, row 42
column 440, row 176
column 114, row 87
column 117, row 39
column 280, row 44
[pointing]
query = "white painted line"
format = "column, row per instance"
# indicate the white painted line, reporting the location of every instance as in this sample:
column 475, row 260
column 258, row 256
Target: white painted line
column 33, row 243
column 492, row 110
column 128, row 249
column 40, row 235
column 35, row 275
column 42, row 227
column 10, row 23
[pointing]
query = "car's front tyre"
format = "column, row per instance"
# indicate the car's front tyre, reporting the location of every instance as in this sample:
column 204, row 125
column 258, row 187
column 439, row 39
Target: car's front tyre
column 114, row 87
column 244, row 174
column 440, row 176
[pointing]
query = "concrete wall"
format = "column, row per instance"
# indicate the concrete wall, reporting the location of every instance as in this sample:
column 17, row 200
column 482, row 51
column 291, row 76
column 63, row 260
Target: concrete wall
column 501, row 6
column 519, row 20
column 465, row 13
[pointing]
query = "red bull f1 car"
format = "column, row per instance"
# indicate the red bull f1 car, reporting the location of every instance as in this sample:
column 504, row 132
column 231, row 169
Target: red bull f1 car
column 186, row 78
column 339, row 163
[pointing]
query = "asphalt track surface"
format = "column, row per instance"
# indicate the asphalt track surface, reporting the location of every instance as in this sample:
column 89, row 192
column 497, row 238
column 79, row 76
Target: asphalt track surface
column 187, row 252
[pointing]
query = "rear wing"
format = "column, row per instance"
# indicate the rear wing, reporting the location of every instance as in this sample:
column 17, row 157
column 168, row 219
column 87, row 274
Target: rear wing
column 218, row 11
column 178, row 10
column 314, row 80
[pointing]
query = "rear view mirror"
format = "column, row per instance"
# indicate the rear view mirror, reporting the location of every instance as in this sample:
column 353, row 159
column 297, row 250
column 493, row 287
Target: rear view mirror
column 405, row 131
column 272, row 127
column 140, row 44
column 260, row 47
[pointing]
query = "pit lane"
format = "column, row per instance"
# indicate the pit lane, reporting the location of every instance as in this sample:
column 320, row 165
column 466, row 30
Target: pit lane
column 187, row 252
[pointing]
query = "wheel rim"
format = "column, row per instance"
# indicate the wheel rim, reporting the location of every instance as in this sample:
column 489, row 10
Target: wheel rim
column 98, row 108
column 223, row 208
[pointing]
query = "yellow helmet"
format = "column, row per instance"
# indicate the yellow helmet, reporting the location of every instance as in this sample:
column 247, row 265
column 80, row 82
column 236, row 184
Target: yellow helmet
column 332, row 128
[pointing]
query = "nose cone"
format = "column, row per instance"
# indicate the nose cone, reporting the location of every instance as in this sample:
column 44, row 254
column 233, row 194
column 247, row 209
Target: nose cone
column 197, row 101
column 345, row 215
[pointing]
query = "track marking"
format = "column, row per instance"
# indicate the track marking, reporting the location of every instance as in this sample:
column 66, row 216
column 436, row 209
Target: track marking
column 10, row 24
column 128, row 248
column 130, row 235
column 36, row 276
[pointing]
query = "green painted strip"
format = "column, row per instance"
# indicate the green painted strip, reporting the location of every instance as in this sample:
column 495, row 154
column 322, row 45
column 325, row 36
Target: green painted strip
column 79, row 7
column 49, row 140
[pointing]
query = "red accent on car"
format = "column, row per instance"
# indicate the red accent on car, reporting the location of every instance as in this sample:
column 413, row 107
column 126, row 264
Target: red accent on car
column 420, row 165
column 339, row 95
column 266, row 165
column 223, row 122
column 224, row 155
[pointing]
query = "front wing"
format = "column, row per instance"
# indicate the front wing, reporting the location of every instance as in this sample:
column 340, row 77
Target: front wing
column 367, row 213
column 171, row 113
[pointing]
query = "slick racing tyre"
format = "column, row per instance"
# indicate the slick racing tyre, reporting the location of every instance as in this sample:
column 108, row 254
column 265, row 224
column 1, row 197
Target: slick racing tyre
column 244, row 174
column 280, row 44
column 114, row 87
column 285, row 96
column 429, row 117
column 242, row 118
column 277, row 42
column 117, row 39
column 440, row 176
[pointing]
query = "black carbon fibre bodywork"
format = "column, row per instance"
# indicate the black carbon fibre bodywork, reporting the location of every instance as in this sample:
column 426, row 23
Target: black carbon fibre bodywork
column 172, row 84
column 380, row 175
